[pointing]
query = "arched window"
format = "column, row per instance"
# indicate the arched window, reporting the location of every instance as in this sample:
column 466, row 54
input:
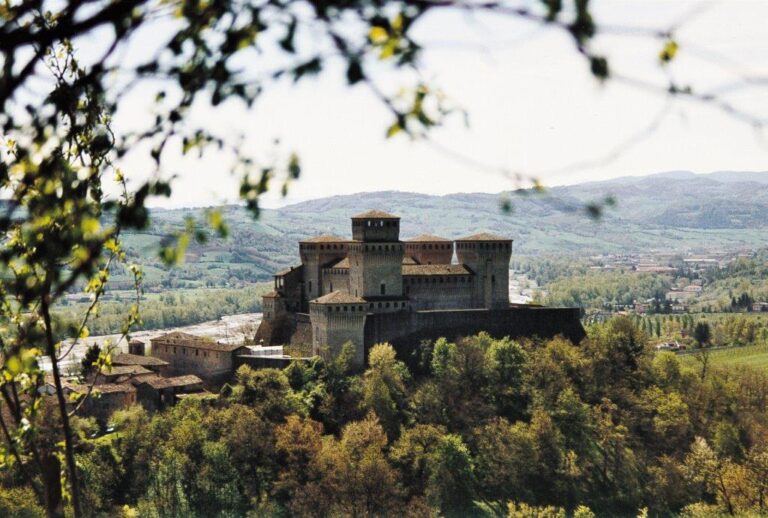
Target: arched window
column 383, row 288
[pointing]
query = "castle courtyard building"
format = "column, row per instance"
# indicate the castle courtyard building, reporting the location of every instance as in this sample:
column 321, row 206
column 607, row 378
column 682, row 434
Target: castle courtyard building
column 375, row 288
column 185, row 354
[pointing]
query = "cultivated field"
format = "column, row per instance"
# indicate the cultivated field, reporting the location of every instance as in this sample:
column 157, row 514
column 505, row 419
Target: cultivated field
column 755, row 356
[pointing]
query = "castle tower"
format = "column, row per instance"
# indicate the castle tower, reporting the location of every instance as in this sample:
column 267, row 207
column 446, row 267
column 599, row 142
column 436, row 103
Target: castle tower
column 338, row 318
column 316, row 253
column 376, row 256
column 427, row 249
column 488, row 256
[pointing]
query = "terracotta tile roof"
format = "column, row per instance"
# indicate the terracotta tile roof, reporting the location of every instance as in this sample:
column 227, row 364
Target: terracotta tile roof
column 409, row 260
column 178, row 381
column 337, row 297
column 344, row 263
column 484, row 236
column 135, row 342
column 427, row 238
column 135, row 359
column 375, row 214
column 435, row 269
column 108, row 388
column 105, row 388
column 288, row 270
column 197, row 342
column 272, row 293
column 325, row 238
column 125, row 370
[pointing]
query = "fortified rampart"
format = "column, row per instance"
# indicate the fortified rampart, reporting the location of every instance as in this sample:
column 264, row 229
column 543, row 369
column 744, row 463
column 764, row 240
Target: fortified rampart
column 405, row 330
column 377, row 288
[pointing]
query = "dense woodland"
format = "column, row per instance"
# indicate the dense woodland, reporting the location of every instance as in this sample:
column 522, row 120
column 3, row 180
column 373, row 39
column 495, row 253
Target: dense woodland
column 479, row 427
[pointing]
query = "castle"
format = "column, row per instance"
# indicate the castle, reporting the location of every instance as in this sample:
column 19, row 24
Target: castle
column 376, row 288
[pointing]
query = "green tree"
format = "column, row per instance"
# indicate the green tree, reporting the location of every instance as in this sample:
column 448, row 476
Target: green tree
column 702, row 333
column 451, row 483
column 384, row 389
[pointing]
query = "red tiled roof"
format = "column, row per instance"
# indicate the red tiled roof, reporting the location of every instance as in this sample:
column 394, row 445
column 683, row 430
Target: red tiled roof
column 344, row 263
column 375, row 214
column 123, row 370
column 427, row 238
column 484, row 236
column 288, row 270
column 178, row 381
column 105, row 388
column 135, row 359
column 337, row 297
column 435, row 269
column 409, row 260
column 325, row 238
column 180, row 338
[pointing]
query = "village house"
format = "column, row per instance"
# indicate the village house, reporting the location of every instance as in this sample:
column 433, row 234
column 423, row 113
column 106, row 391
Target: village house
column 212, row 361
column 156, row 393
column 103, row 400
column 119, row 374
column 156, row 365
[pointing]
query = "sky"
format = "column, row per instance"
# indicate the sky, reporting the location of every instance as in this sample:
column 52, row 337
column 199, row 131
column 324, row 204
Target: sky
column 533, row 109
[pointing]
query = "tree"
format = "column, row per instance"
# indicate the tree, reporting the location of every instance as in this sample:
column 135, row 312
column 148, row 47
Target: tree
column 384, row 390
column 62, row 225
column 90, row 359
column 702, row 333
column 451, row 483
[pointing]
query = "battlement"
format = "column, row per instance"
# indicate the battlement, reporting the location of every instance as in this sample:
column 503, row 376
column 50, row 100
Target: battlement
column 375, row 287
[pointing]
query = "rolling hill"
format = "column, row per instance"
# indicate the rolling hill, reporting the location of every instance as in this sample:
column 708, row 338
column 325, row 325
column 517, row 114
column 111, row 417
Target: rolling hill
column 678, row 211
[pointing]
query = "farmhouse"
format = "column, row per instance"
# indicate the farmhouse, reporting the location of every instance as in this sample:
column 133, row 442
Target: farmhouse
column 189, row 354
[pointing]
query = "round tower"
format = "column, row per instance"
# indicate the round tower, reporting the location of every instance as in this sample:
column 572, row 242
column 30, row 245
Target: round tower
column 487, row 255
column 427, row 249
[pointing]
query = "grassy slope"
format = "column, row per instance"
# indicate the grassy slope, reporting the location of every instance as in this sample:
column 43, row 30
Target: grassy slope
column 754, row 356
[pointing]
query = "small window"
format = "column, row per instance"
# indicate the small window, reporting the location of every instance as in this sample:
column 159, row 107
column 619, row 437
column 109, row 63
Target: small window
column 383, row 288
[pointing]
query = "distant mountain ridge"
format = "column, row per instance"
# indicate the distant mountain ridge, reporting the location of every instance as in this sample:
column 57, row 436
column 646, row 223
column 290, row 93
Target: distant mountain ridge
column 674, row 211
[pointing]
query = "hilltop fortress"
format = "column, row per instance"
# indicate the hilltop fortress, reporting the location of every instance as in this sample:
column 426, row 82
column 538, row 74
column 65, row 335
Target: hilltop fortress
column 376, row 288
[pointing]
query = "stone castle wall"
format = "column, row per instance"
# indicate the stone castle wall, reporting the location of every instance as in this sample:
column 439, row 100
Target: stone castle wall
column 335, row 279
column 439, row 291
column 405, row 330
column 335, row 325
column 430, row 253
column 371, row 264
column 490, row 263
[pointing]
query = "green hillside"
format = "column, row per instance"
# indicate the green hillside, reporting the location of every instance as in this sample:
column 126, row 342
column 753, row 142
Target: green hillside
column 679, row 212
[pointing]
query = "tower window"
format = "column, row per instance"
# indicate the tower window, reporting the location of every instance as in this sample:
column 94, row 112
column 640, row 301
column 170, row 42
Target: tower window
column 383, row 288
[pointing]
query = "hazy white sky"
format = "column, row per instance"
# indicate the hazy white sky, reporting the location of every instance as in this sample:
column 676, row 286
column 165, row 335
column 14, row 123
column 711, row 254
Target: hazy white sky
column 533, row 108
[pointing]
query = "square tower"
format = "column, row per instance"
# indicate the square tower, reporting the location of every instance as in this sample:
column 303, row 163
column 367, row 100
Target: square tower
column 376, row 256
column 487, row 255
